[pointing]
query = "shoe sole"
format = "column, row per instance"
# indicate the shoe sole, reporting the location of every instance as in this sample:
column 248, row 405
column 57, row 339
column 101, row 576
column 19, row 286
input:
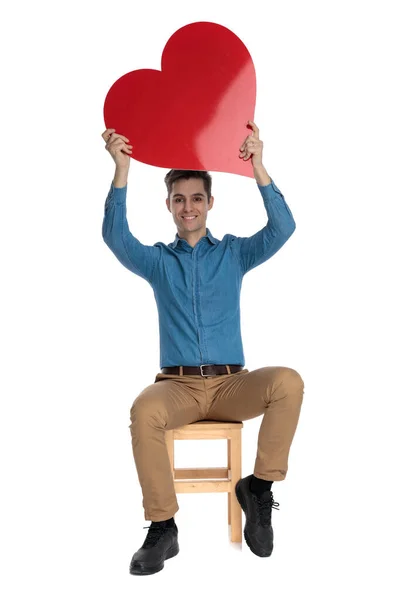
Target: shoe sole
column 142, row 569
column 242, row 503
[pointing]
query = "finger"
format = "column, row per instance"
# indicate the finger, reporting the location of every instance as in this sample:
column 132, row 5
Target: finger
column 115, row 136
column 106, row 134
column 246, row 141
column 118, row 145
column 121, row 145
column 250, row 145
column 250, row 148
column 246, row 151
column 255, row 129
column 249, row 154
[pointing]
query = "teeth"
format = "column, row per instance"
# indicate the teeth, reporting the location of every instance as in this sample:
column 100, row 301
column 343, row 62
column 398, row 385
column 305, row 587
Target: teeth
column 189, row 218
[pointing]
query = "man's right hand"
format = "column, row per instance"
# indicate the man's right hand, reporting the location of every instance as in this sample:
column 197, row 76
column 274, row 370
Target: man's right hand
column 117, row 146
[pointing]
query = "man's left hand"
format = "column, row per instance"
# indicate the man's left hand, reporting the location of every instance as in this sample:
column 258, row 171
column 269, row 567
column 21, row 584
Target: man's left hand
column 252, row 147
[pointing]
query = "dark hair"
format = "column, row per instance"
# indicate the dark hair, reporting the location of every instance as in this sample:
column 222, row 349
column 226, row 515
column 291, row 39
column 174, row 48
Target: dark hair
column 176, row 174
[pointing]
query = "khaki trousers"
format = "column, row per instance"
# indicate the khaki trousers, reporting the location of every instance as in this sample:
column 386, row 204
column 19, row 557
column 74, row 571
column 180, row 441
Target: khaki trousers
column 173, row 400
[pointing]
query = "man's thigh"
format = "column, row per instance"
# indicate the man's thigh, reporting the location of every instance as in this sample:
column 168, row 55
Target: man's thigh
column 246, row 395
column 168, row 403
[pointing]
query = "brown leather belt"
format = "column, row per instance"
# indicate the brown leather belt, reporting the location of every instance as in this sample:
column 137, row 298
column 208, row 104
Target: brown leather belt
column 204, row 370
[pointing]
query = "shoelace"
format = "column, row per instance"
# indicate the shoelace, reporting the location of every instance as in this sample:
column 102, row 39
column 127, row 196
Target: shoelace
column 266, row 506
column 153, row 535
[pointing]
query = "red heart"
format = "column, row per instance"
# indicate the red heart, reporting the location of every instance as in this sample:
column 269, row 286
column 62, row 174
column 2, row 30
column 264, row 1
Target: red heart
column 193, row 113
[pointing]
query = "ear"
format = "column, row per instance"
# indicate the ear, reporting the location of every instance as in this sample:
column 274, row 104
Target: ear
column 211, row 203
column 168, row 204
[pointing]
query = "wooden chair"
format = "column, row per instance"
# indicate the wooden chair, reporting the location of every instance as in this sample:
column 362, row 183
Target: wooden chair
column 206, row 480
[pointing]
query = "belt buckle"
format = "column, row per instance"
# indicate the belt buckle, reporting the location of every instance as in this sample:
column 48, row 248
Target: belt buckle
column 201, row 371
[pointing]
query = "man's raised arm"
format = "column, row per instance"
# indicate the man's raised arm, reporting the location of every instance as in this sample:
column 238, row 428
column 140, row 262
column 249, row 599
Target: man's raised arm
column 134, row 255
column 256, row 249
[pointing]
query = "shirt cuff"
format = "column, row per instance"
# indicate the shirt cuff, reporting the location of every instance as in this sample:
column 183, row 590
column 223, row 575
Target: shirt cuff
column 270, row 190
column 117, row 195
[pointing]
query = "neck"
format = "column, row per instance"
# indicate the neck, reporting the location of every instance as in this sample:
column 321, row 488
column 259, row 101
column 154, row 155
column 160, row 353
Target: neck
column 192, row 237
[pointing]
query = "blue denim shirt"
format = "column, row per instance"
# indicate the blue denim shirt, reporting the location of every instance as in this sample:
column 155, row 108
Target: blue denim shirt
column 197, row 290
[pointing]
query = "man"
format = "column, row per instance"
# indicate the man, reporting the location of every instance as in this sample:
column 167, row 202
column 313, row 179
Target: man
column 196, row 282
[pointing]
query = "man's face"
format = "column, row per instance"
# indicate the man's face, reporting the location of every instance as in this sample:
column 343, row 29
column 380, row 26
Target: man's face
column 188, row 198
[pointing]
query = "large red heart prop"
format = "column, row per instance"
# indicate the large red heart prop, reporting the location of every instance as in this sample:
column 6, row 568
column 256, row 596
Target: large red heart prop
column 193, row 113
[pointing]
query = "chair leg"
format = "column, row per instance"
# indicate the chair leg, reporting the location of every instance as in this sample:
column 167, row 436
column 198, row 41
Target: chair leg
column 229, row 468
column 236, row 474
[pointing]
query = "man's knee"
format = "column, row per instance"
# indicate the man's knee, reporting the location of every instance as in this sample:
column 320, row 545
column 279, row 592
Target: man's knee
column 147, row 408
column 293, row 378
column 290, row 380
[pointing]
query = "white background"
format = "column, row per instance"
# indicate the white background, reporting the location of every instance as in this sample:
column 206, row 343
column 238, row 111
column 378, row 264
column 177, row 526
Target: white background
column 79, row 332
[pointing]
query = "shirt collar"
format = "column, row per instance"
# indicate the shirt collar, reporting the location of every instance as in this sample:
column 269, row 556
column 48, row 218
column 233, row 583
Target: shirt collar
column 208, row 235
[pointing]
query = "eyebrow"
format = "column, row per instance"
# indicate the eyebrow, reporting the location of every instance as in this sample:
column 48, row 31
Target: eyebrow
column 198, row 194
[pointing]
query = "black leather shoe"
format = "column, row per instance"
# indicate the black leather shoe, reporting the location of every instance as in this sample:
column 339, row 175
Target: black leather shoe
column 160, row 544
column 258, row 531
